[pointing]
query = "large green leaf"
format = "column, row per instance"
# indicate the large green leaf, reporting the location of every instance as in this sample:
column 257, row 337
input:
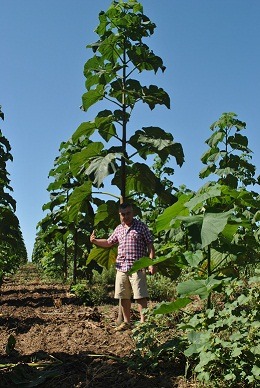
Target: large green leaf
column 204, row 194
column 109, row 48
column 164, row 221
column 214, row 139
column 141, row 179
column 107, row 215
column 84, row 130
column 194, row 258
column 5, row 142
column 169, row 307
column 103, row 256
column 239, row 142
column 154, row 140
column 92, row 96
column 77, row 200
column 59, row 199
column 200, row 287
column 191, row 220
column 145, row 262
column 213, row 224
column 231, row 229
column 105, row 125
column 153, row 95
column 102, row 166
column 144, row 59
column 80, row 160
column 6, row 199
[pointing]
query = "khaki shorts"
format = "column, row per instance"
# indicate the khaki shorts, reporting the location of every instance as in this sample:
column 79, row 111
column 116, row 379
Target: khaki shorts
column 126, row 284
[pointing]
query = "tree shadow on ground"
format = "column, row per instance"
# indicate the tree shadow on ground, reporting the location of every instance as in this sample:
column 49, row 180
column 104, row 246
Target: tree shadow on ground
column 80, row 370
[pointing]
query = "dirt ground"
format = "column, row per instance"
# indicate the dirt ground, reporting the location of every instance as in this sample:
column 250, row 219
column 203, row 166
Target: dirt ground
column 60, row 342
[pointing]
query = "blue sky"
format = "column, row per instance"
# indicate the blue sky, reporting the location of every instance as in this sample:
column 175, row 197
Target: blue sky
column 211, row 50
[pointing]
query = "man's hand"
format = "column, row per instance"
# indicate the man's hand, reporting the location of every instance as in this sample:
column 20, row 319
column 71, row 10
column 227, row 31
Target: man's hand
column 100, row 242
column 92, row 237
column 152, row 269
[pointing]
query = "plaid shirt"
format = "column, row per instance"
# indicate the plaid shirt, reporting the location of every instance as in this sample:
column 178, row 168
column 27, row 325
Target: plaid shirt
column 132, row 243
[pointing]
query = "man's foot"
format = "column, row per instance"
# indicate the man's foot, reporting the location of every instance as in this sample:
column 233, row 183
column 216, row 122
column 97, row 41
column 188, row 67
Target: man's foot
column 123, row 326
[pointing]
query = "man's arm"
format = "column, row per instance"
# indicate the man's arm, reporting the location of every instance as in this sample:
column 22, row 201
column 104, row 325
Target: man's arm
column 100, row 242
column 151, row 253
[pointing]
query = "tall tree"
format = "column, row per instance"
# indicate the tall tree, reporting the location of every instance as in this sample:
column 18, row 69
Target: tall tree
column 119, row 53
column 217, row 228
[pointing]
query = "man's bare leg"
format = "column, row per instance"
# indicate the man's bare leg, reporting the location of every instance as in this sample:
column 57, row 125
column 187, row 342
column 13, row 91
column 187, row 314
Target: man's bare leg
column 142, row 304
column 126, row 307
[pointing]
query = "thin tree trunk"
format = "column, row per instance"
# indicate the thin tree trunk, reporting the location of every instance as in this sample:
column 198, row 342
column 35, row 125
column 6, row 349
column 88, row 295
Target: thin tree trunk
column 75, row 258
column 123, row 164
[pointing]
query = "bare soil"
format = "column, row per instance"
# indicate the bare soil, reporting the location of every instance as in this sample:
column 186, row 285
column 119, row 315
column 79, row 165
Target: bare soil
column 59, row 342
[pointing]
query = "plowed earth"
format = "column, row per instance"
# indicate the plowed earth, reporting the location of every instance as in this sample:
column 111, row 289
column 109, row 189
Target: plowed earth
column 48, row 339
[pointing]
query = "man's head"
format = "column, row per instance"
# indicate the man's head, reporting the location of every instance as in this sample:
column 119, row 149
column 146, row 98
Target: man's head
column 126, row 213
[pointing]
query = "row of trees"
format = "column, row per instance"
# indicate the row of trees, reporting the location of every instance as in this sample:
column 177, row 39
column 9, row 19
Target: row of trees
column 12, row 248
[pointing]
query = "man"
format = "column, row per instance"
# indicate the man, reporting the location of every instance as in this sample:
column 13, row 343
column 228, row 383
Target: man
column 134, row 241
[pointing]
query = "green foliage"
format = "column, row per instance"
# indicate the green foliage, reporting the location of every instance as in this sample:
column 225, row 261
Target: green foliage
column 157, row 343
column 104, row 256
column 105, row 277
column 161, row 288
column 224, row 341
column 219, row 346
column 216, row 232
column 229, row 155
column 216, row 229
column 89, row 294
column 12, row 248
column 96, row 290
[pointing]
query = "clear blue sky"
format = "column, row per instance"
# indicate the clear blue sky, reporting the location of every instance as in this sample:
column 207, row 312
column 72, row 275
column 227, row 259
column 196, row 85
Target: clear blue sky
column 211, row 49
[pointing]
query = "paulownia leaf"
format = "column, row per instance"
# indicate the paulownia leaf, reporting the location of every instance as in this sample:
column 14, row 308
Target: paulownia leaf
column 169, row 307
column 213, row 224
column 154, row 140
column 239, row 142
column 92, row 96
column 107, row 214
column 58, row 200
column 145, row 262
column 80, row 160
column 107, row 48
column 102, row 166
column 85, row 129
column 141, row 179
column 199, row 199
column 105, row 125
column 215, row 138
column 103, row 256
column 5, row 142
column 164, row 220
column 201, row 287
column 194, row 258
column 77, row 199
column 153, row 95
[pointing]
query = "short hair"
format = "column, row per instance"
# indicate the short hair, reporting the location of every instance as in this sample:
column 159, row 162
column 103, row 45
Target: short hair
column 124, row 205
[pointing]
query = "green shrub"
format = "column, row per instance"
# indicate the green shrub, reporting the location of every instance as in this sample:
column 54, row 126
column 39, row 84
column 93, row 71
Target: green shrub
column 161, row 288
column 156, row 342
column 224, row 341
column 90, row 295
column 106, row 277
